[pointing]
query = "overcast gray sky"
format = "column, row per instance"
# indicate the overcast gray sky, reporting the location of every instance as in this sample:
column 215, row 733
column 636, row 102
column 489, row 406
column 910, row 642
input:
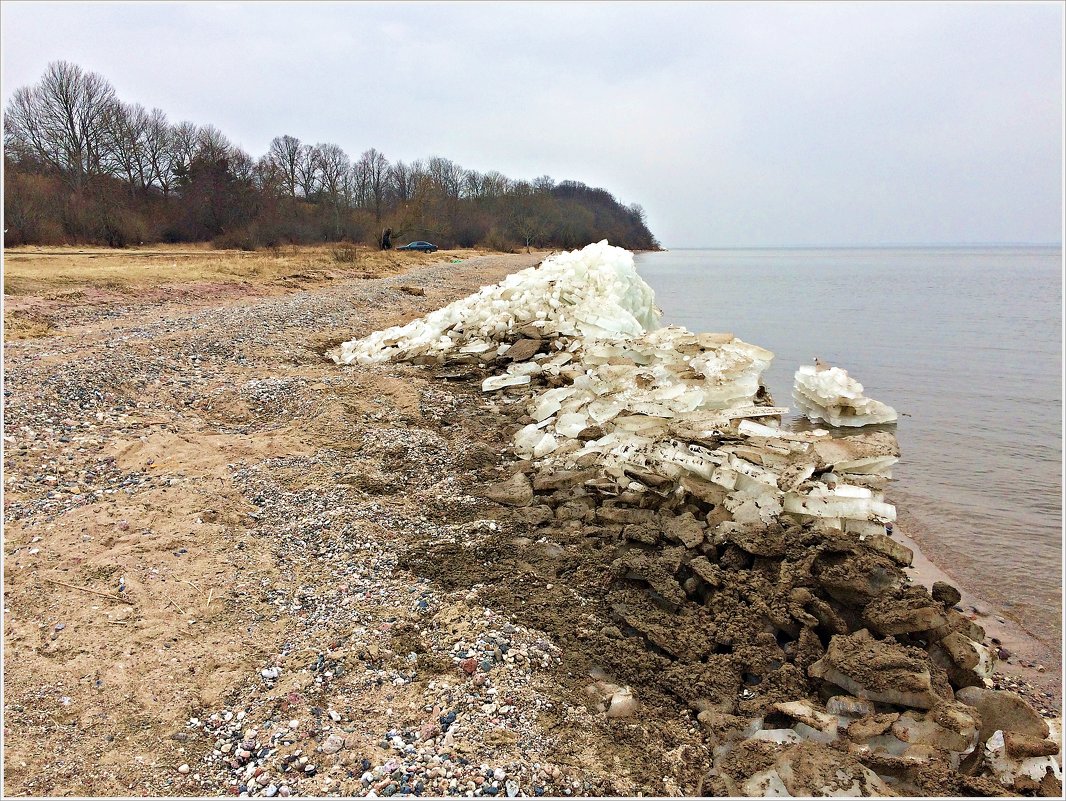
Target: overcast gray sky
column 747, row 124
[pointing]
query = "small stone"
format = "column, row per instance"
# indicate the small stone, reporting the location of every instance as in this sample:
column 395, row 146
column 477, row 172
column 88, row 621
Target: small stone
column 294, row 724
column 270, row 791
column 183, row 769
column 499, row 774
column 333, row 744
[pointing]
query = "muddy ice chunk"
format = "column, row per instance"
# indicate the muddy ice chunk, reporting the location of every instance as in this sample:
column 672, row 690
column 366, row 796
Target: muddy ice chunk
column 1023, row 746
column 759, row 540
column 765, row 784
column 964, row 652
column 523, row 349
column 655, row 572
column 684, row 529
column 829, row 394
column 858, row 579
column 777, row 736
column 561, row 479
column 897, row 552
column 849, row 706
column 812, row 770
column 905, row 614
column 712, row 574
column 1001, row 710
column 917, row 729
column 516, row 491
column 864, row 454
column 872, row 726
column 945, row 593
column 624, row 515
column 806, row 713
column 622, row 704
column 1021, row 772
column 878, row 670
column 642, row 533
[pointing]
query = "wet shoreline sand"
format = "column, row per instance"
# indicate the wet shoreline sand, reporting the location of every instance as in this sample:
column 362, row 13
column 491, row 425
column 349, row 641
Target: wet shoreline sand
column 257, row 503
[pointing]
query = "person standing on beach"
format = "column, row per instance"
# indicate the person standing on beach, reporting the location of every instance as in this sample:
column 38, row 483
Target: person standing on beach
column 386, row 239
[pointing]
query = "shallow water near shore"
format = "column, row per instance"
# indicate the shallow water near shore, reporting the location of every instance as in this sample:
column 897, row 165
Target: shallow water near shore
column 964, row 342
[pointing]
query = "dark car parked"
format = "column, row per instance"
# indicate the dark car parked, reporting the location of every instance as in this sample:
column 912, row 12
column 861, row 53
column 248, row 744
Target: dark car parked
column 425, row 247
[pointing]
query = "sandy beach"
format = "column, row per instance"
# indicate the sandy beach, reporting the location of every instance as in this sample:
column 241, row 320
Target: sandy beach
column 232, row 564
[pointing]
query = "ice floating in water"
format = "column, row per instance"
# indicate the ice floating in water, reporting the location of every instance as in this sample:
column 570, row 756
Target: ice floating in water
column 827, row 393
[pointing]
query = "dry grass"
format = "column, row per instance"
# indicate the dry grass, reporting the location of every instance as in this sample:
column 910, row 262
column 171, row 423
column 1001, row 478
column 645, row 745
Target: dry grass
column 23, row 325
column 40, row 271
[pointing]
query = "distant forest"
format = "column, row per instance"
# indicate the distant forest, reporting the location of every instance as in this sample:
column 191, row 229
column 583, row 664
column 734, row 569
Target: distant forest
column 82, row 167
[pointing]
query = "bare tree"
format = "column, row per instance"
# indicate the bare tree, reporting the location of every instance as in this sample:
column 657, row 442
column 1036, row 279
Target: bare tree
column 285, row 154
column 181, row 146
column 472, row 184
column 307, row 171
column 127, row 132
column 241, row 165
column 157, row 151
column 373, row 178
column 446, row 176
column 62, row 121
column 494, row 184
column 333, row 164
column 400, row 182
column 543, row 184
column 212, row 145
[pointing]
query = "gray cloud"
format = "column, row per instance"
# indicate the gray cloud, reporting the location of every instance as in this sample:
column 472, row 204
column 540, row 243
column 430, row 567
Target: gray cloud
column 732, row 124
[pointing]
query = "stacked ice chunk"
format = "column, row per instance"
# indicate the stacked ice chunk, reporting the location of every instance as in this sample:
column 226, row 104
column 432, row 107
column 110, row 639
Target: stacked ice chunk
column 594, row 292
column 829, row 394
column 661, row 410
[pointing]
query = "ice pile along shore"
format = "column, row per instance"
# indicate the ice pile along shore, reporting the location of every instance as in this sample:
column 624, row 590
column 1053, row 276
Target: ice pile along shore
column 755, row 558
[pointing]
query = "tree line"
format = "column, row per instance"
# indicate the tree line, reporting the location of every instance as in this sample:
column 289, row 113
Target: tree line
column 82, row 166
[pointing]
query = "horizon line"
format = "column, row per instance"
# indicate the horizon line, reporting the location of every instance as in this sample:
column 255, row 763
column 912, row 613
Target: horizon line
column 877, row 246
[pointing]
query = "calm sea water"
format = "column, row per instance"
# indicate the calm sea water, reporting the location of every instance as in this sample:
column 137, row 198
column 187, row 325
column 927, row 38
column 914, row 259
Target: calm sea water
column 966, row 343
